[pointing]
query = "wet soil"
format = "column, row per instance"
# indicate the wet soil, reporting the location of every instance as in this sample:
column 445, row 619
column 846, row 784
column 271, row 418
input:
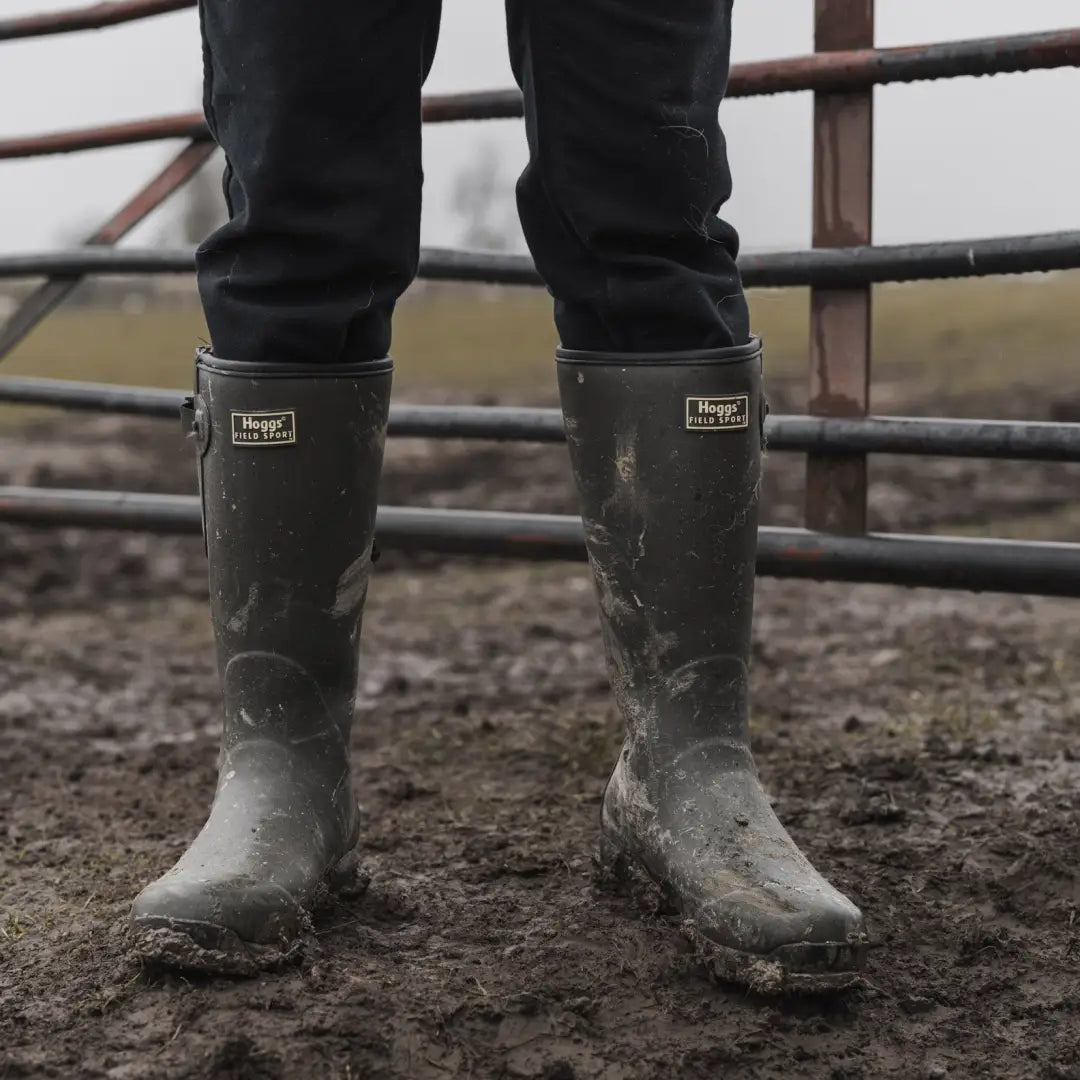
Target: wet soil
column 921, row 746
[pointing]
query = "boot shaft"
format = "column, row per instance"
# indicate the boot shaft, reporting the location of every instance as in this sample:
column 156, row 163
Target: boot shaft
column 289, row 470
column 289, row 463
column 666, row 453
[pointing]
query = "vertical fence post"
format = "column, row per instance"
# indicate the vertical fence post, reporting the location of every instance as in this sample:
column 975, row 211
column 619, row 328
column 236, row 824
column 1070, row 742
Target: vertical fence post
column 840, row 318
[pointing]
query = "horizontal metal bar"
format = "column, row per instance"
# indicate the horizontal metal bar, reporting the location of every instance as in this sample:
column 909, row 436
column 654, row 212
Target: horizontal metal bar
column 94, row 17
column 481, row 267
column 186, row 126
column 92, row 397
column 976, row 565
column 1011, row 440
column 435, row 109
column 845, row 267
column 940, row 562
column 472, row 105
column 823, row 267
column 435, row 264
column 130, row 511
column 1005, row 440
column 832, row 71
column 95, row 261
column 496, row 422
column 860, row 69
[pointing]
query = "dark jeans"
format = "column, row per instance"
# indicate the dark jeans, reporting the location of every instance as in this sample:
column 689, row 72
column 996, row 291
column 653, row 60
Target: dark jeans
column 317, row 106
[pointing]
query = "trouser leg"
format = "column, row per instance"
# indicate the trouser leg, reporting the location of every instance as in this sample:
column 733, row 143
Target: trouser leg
column 628, row 170
column 317, row 107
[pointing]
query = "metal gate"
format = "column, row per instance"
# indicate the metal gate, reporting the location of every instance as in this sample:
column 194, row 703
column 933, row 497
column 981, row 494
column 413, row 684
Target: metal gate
column 840, row 269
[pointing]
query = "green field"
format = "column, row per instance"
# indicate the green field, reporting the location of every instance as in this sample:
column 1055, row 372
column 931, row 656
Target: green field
column 952, row 338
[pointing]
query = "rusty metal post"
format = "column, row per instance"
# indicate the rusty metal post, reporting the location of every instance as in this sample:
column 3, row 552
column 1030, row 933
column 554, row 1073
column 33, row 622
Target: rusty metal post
column 840, row 318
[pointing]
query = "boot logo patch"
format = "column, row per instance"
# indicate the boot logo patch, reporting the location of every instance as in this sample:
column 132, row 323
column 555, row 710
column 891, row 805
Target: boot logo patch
column 718, row 413
column 263, row 428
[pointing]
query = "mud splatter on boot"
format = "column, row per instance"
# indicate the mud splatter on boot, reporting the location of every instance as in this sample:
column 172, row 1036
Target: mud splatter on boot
column 289, row 472
column 666, row 452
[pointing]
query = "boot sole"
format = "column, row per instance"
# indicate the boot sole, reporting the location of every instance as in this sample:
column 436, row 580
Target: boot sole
column 804, row 968
column 196, row 946
column 822, row 968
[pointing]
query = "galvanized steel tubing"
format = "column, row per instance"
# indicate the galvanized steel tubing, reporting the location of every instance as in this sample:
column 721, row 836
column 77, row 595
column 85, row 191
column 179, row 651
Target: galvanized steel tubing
column 94, row 17
column 1009, row 440
column 981, row 565
column 824, row 267
column 821, row 72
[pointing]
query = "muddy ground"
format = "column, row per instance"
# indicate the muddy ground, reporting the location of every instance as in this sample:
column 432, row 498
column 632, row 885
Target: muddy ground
column 922, row 747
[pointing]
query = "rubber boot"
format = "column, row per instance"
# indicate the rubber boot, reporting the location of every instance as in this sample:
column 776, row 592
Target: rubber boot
column 290, row 461
column 666, row 451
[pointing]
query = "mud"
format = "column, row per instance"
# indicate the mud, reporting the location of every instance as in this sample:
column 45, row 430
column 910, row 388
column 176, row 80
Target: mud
column 921, row 746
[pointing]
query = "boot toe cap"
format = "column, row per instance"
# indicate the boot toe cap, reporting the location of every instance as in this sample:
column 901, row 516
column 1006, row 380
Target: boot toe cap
column 815, row 929
column 219, row 915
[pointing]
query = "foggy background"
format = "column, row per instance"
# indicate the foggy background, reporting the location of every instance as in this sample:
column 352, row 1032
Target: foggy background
column 954, row 159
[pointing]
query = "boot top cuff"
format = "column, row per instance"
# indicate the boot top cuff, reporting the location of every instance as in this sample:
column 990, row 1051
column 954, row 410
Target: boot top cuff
column 207, row 361
column 733, row 355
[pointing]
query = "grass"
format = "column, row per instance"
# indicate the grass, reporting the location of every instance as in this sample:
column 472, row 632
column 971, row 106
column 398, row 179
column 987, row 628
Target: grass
column 953, row 337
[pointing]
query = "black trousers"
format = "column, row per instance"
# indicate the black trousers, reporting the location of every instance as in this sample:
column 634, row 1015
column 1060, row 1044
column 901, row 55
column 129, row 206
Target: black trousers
column 317, row 107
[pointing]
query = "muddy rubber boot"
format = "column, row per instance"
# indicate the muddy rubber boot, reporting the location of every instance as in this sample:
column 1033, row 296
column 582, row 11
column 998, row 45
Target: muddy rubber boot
column 666, row 451
column 290, row 461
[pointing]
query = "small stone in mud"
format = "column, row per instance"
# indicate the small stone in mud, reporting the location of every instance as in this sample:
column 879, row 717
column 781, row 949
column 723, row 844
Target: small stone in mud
column 402, row 789
column 914, row 1004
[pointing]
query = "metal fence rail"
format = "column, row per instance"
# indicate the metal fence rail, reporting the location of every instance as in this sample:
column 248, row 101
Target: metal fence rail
column 1003, row 440
column 834, row 268
column 840, row 271
column 94, row 17
column 889, row 558
column 435, row 109
column 842, row 71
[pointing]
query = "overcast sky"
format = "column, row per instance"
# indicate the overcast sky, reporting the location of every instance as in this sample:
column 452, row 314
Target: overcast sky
column 955, row 159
